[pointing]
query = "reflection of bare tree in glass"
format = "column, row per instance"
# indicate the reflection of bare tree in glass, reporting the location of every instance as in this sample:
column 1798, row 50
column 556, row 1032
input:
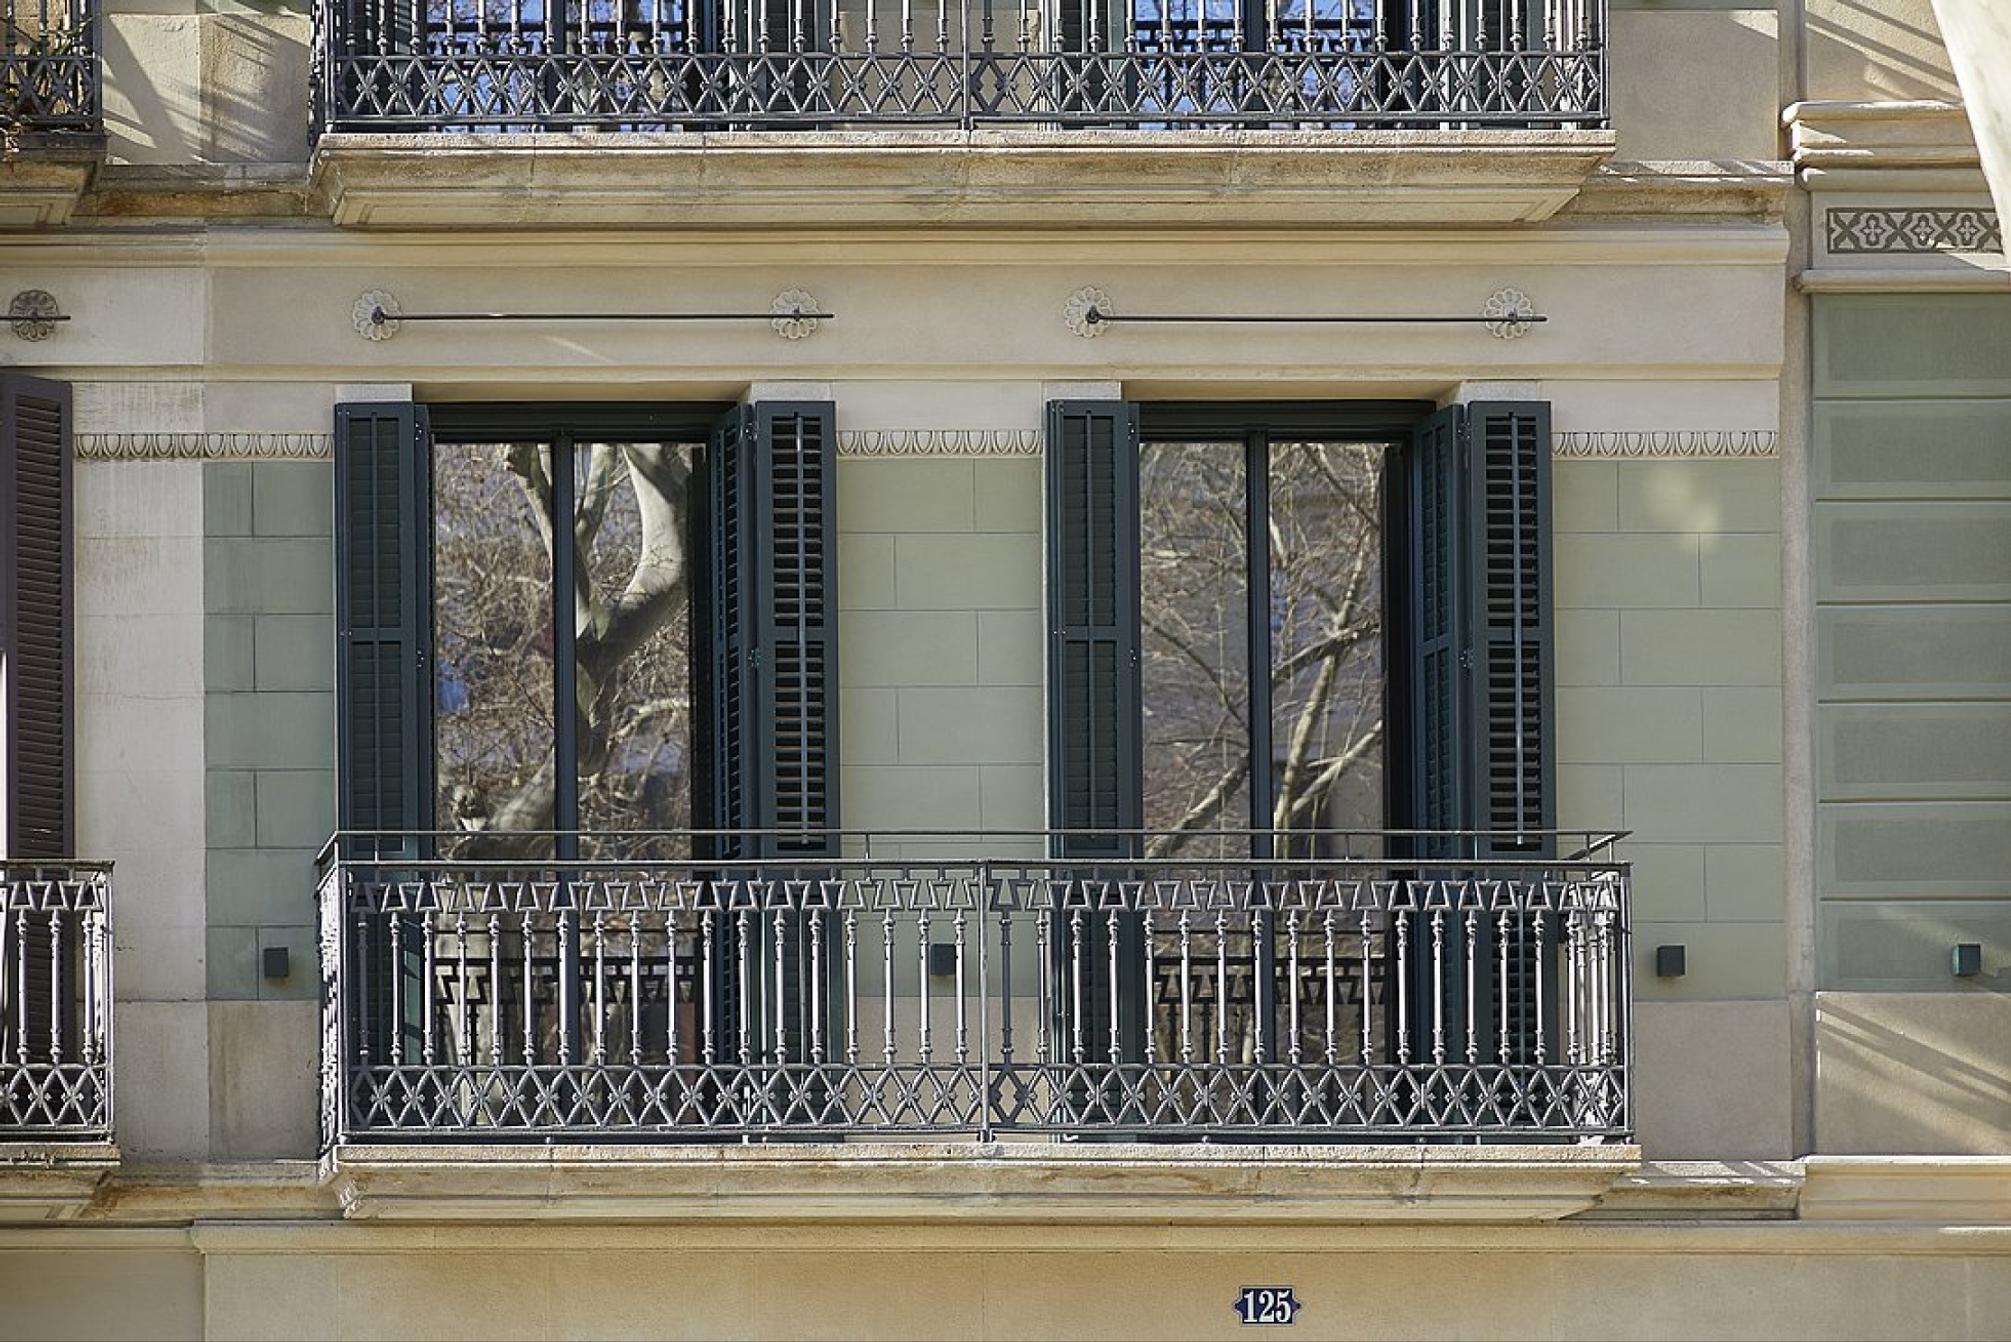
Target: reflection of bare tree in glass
column 1325, row 610
column 492, row 634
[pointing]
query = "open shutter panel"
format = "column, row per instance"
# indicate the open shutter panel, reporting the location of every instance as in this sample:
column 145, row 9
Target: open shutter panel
column 795, row 473
column 1438, row 679
column 769, row 608
column 1095, row 764
column 383, row 685
column 1513, row 778
column 37, row 806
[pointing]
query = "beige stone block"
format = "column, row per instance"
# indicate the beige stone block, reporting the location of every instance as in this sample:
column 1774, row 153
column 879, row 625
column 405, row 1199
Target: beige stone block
column 868, row 726
column 1584, row 496
column 153, row 87
column 866, row 572
column 1745, row 882
column 135, row 809
column 117, row 732
column 886, row 648
column 991, row 571
column 1627, row 724
column 1741, row 570
column 153, row 885
column 117, row 1291
column 1625, row 571
column 139, row 575
column 137, row 498
column 1704, row 803
column 264, row 1079
column 910, row 797
column 1700, row 647
column 1884, row 52
column 1703, row 496
column 1587, row 647
column 1712, row 1080
column 989, row 725
column 140, row 657
column 907, row 494
column 160, row 1096
column 1011, row 494
column 255, row 83
column 158, row 961
column 1726, row 961
column 1662, row 58
column 1742, row 725
column 1012, row 647
column 1589, row 797
column 1912, row 1073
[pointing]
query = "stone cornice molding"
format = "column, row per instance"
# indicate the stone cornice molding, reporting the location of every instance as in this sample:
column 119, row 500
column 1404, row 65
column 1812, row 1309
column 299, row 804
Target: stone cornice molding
column 1883, row 146
column 939, row 442
column 204, row 446
column 1657, row 444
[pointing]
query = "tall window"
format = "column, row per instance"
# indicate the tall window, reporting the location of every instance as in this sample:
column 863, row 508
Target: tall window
column 621, row 637
column 1260, row 551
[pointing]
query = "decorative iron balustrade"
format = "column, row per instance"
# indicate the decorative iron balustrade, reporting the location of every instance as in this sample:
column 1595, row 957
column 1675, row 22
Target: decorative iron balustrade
column 502, row 65
column 49, row 69
column 55, row 1001
column 1329, row 994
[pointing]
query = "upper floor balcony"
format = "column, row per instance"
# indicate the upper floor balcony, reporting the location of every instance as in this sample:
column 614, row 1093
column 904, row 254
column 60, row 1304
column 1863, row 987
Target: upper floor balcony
column 683, row 65
column 51, row 108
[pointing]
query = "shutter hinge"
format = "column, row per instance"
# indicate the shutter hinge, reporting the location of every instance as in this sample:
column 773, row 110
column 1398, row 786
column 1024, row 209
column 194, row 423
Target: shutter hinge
column 1466, row 659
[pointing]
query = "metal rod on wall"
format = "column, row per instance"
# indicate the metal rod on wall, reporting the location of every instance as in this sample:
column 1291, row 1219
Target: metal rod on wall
column 1097, row 317
column 794, row 314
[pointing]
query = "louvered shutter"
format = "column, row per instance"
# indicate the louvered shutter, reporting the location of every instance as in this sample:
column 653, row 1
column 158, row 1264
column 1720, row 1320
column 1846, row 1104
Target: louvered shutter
column 1510, row 690
column 384, row 678
column 37, row 805
column 38, row 754
column 1438, row 695
column 1095, row 764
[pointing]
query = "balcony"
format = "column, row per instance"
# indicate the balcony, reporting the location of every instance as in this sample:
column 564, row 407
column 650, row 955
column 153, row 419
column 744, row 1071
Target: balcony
column 55, row 1002
column 1340, row 993
column 51, row 118
column 1186, row 112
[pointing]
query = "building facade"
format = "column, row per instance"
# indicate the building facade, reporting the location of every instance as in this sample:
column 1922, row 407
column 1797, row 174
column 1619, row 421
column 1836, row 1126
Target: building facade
column 628, row 646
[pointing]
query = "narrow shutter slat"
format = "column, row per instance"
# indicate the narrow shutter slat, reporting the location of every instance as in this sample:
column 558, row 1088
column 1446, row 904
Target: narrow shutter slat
column 383, row 688
column 1096, row 765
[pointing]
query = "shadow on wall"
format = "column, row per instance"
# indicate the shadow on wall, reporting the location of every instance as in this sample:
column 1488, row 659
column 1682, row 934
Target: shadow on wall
column 255, row 88
column 1913, row 1073
column 1875, row 50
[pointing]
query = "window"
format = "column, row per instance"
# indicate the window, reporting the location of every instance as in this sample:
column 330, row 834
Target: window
column 1388, row 564
column 582, row 632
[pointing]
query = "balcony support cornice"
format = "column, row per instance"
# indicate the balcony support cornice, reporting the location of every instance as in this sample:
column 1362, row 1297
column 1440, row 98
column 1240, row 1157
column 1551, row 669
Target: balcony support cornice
column 1141, row 179
column 1001, row 1183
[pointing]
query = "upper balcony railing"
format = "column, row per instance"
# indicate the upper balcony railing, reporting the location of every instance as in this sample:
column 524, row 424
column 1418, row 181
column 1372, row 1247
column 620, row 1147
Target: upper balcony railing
column 1342, row 992
column 55, row 1001
column 49, row 70
column 673, row 65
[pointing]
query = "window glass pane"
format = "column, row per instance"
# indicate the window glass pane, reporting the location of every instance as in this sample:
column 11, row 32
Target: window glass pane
column 492, row 644
column 1326, row 636
column 634, row 642
column 1193, row 553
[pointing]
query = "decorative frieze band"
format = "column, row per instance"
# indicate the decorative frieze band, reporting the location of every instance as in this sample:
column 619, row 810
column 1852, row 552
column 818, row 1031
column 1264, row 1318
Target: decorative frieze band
column 939, row 442
column 204, row 446
column 1885, row 231
column 1647, row 443
column 1664, row 443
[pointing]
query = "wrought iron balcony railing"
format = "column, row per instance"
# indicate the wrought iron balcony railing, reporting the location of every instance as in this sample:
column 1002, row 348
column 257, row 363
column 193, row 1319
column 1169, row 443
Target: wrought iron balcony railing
column 1342, row 992
column 501, row 65
column 55, row 1001
column 49, row 67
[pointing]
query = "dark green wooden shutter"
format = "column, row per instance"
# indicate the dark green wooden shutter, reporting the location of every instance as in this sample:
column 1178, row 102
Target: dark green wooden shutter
column 1437, row 700
column 1508, row 635
column 384, row 680
column 38, row 754
column 770, row 612
column 1095, row 759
